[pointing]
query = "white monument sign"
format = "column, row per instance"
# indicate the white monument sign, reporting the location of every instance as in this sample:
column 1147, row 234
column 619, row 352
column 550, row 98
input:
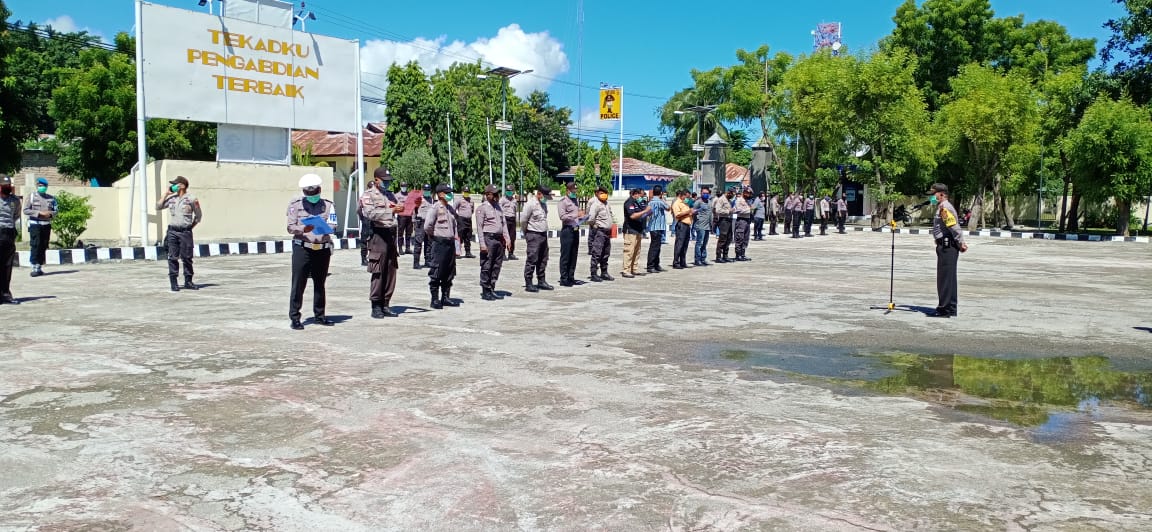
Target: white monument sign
column 214, row 69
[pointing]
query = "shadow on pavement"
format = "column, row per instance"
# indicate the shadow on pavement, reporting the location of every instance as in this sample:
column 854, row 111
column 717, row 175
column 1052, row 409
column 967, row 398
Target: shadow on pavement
column 33, row 298
column 408, row 310
column 61, row 272
column 334, row 319
column 1145, row 329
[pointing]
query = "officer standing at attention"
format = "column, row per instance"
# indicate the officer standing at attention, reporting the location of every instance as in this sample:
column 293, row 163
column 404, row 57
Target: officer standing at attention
column 773, row 214
column 722, row 212
column 464, row 211
column 493, row 240
column 380, row 208
column 825, row 212
column 508, row 207
column 600, row 220
column 789, row 204
column 440, row 225
column 534, row 219
column 759, row 213
column 742, row 208
column 311, row 251
column 809, row 213
column 40, row 210
column 797, row 215
column 656, row 225
column 571, row 216
column 404, row 224
column 183, row 215
column 949, row 245
column 634, row 213
column 841, row 212
column 9, row 220
column 422, row 244
column 703, row 226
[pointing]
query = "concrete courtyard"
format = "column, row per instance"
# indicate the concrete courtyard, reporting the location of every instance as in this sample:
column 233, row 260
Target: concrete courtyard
column 600, row 407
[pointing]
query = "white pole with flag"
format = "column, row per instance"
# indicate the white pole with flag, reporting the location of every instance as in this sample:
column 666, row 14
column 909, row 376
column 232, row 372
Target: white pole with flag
column 141, row 127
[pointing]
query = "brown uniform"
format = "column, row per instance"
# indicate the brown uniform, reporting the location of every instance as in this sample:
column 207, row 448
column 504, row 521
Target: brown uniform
column 508, row 208
column 493, row 234
column 464, row 211
column 600, row 221
column 183, row 214
column 440, row 227
column 378, row 208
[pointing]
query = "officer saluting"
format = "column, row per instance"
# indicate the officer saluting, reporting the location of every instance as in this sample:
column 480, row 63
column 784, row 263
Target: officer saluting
column 9, row 221
column 380, row 208
column 440, row 226
column 949, row 245
column 493, row 240
column 311, row 220
column 40, row 210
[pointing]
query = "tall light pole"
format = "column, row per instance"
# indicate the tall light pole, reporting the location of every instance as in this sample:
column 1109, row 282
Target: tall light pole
column 700, row 111
column 503, row 126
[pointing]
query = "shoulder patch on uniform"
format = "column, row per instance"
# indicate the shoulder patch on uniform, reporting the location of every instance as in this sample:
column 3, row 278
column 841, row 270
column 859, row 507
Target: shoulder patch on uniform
column 949, row 219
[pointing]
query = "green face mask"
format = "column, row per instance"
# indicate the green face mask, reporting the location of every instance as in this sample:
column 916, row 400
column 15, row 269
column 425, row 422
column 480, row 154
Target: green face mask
column 934, row 201
column 41, row 189
column 509, row 194
column 175, row 188
column 572, row 195
column 448, row 197
column 544, row 200
column 313, row 199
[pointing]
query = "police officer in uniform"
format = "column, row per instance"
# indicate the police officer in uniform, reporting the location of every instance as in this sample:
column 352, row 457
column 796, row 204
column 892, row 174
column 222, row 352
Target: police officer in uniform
column 422, row 246
column 534, row 220
column 9, row 220
column 40, row 210
column 571, row 216
column 742, row 208
column 600, row 220
column 722, row 212
column 440, row 226
column 797, row 215
column 365, row 225
column 183, row 215
column 789, row 204
column 493, row 239
column 841, row 213
column 773, row 214
column 464, row 211
column 380, row 208
column 809, row 213
column 508, row 208
column 404, row 220
column 311, row 252
column 949, row 245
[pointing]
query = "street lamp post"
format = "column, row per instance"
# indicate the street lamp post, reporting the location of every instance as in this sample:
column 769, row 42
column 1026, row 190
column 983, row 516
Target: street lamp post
column 503, row 126
column 700, row 111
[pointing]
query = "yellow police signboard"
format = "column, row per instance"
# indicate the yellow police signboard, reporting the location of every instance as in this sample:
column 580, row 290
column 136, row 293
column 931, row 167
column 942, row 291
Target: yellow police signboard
column 610, row 101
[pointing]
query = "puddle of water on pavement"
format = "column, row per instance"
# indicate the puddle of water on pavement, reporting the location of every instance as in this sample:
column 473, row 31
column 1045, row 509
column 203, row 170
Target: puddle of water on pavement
column 1053, row 397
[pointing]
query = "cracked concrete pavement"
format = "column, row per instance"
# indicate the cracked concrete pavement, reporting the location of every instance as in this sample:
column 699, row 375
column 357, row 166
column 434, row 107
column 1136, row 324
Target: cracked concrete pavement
column 126, row 407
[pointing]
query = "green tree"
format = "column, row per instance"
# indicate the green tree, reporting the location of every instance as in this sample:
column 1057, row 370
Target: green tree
column 680, row 183
column 416, row 167
column 889, row 118
column 812, row 98
column 73, row 213
column 1111, row 153
column 985, row 121
column 542, row 128
column 1129, row 49
column 586, row 176
column 409, row 112
column 17, row 105
column 604, row 160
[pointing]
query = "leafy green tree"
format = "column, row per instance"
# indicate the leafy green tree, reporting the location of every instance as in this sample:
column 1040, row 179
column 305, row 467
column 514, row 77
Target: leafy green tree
column 542, row 128
column 1129, row 49
column 812, row 98
column 40, row 57
column 1111, row 153
column 17, row 107
column 409, row 113
column 416, row 167
column 889, row 118
column 586, row 176
column 680, row 183
column 984, row 120
column 73, row 213
column 604, row 159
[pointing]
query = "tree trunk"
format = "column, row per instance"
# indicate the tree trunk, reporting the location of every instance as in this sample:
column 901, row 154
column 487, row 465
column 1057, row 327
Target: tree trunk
column 1074, row 214
column 978, row 207
column 1123, row 216
column 1001, row 204
column 1067, row 184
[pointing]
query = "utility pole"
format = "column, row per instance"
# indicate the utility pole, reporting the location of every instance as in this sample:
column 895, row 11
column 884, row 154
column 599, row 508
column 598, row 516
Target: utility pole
column 451, row 181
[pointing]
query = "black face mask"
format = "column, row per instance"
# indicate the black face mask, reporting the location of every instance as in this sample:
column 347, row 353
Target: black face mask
column 7, row 189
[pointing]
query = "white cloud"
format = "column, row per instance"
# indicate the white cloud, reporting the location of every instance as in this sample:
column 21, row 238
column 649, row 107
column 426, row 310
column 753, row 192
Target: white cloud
column 510, row 47
column 66, row 24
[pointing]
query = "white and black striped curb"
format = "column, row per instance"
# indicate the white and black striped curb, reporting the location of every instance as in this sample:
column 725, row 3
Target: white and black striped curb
column 265, row 247
column 1017, row 234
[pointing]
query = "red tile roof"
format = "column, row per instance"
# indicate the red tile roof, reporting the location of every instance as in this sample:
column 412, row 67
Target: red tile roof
column 651, row 172
column 332, row 144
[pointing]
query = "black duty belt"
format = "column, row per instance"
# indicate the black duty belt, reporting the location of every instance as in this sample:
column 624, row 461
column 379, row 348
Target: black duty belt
column 443, row 239
column 742, row 217
column 494, row 235
column 312, row 246
column 542, row 233
column 179, row 229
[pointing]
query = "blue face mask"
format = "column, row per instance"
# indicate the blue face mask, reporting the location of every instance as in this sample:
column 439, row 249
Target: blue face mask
column 934, row 201
column 706, row 197
column 315, row 198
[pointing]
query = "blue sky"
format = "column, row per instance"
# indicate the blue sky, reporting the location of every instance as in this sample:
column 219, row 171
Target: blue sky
column 647, row 46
